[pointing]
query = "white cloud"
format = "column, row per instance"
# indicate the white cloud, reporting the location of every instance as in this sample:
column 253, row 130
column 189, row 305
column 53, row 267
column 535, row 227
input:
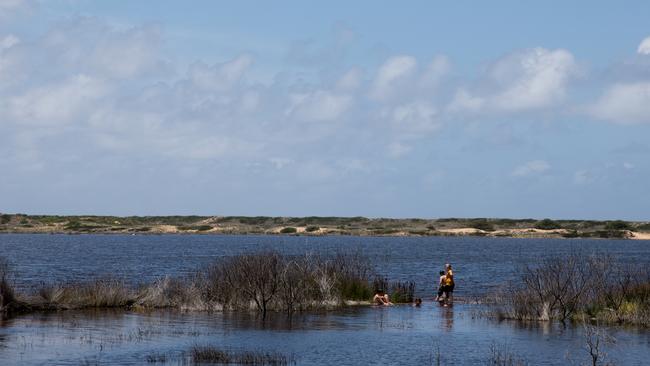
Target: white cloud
column 351, row 80
column 59, row 103
column 398, row 149
column 644, row 47
column 525, row 80
column 390, row 74
column 8, row 41
column 220, row 77
column 415, row 118
column 463, row 101
column 124, row 54
column 582, row 177
column 531, row 168
column 437, row 70
column 624, row 103
column 319, row 105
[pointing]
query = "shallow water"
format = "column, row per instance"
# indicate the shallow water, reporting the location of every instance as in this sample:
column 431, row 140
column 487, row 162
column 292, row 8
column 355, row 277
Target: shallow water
column 395, row 335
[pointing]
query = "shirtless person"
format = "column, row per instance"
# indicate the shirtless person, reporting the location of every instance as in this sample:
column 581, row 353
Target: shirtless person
column 381, row 298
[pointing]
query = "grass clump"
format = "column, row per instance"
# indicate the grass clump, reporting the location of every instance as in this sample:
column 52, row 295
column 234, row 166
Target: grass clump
column 215, row 355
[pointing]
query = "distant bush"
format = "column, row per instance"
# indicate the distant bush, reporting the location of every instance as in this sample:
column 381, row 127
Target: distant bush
column 194, row 227
column 547, row 224
column 643, row 227
column 5, row 219
column 431, row 227
column 289, row 230
column 481, row 224
column 617, row 225
column 311, row 229
column 79, row 226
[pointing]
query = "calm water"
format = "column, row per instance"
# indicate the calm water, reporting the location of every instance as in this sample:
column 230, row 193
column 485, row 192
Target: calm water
column 395, row 335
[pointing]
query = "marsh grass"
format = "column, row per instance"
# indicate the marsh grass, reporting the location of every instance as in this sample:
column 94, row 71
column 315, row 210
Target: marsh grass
column 215, row 355
column 100, row 293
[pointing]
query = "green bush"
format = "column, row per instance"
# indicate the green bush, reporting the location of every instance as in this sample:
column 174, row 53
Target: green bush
column 288, row 230
column 311, row 229
column 5, row 219
column 617, row 225
column 481, row 224
column 547, row 224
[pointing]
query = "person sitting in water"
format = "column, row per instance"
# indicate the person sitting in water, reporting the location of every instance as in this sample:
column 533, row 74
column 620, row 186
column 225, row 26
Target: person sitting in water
column 381, row 298
column 417, row 302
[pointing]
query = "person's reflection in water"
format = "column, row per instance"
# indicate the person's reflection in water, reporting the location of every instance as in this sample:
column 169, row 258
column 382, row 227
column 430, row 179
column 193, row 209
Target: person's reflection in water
column 447, row 318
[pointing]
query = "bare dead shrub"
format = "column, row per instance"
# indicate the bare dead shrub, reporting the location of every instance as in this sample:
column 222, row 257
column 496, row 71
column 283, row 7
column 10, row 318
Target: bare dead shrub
column 564, row 288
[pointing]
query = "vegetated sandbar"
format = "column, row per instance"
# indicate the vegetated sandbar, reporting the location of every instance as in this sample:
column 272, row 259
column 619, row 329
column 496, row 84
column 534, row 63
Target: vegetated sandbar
column 319, row 225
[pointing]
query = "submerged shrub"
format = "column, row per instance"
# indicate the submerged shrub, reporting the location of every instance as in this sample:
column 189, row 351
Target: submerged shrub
column 565, row 288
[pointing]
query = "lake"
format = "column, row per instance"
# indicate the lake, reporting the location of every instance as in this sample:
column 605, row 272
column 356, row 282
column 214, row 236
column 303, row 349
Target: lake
column 360, row 335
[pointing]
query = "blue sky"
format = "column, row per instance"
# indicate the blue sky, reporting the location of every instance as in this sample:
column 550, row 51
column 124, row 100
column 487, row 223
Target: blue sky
column 431, row 109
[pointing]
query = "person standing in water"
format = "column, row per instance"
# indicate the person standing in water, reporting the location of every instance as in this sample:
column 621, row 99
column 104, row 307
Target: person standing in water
column 449, row 282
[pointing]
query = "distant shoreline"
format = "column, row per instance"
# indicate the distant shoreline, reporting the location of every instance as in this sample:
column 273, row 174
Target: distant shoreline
column 323, row 226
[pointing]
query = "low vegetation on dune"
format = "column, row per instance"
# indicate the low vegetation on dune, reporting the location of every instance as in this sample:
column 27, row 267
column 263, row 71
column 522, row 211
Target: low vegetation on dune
column 575, row 288
column 312, row 225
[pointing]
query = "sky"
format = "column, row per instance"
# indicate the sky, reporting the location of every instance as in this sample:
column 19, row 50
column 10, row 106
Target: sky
column 426, row 109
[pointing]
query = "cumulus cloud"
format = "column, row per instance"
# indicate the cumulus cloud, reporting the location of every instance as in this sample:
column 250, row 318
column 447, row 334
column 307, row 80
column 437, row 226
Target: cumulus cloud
column 524, row 80
column 57, row 104
column 644, row 47
column 531, row 168
column 395, row 70
column 625, row 103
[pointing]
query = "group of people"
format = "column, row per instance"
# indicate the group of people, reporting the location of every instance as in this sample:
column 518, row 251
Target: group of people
column 445, row 290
